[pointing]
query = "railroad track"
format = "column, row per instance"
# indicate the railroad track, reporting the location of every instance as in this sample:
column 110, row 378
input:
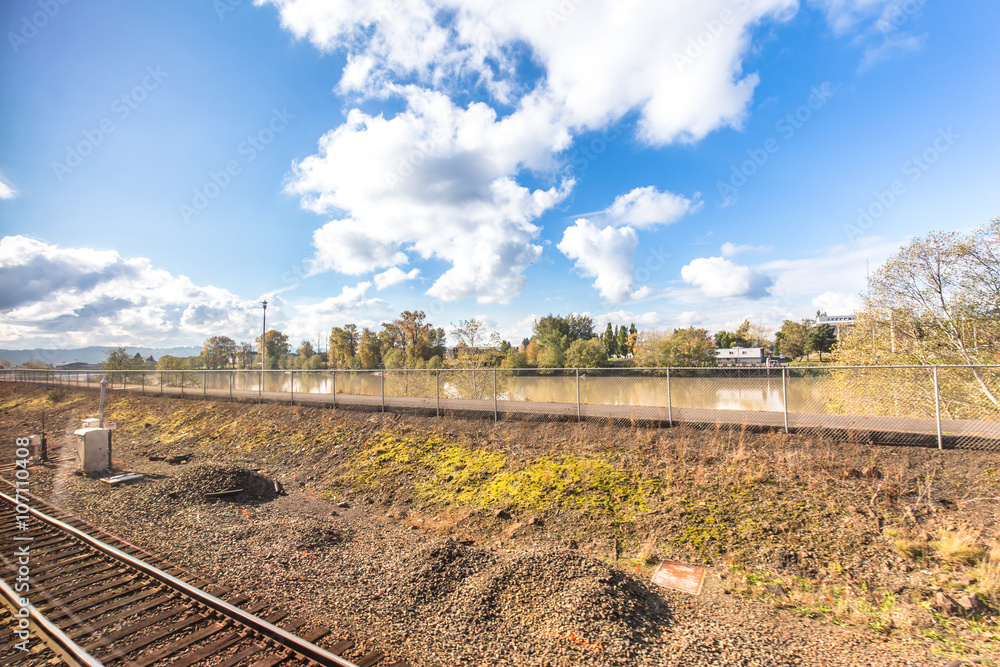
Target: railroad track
column 102, row 601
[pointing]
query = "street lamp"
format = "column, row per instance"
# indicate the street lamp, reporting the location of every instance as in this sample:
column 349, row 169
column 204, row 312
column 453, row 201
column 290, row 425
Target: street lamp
column 263, row 349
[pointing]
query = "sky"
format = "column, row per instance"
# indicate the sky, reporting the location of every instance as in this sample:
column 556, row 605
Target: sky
column 166, row 166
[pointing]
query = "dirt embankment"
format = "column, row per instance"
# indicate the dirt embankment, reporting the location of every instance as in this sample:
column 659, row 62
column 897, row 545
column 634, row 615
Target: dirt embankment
column 544, row 536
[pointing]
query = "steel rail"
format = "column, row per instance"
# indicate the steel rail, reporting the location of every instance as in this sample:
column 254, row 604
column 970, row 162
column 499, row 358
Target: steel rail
column 69, row 649
column 286, row 639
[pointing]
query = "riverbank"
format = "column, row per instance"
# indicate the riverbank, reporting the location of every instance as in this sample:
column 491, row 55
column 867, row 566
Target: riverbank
column 808, row 542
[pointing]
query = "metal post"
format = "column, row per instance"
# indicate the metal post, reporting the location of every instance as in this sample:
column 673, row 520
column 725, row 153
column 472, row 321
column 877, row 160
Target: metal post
column 937, row 408
column 231, row 385
column 578, row 417
column 100, row 410
column 182, row 383
column 204, row 384
column 670, row 404
column 260, row 385
column 784, row 393
column 161, row 382
column 291, row 387
column 496, row 416
column 143, row 378
column 382, row 375
column 437, row 392
column 334, row 389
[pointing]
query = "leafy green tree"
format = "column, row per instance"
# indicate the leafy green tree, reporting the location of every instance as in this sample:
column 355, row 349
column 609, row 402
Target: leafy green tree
column 610, row 340
column 369, row 352
column 305, row 349
column 168, row 362
column 678, row 348
column 579, row 327
column 792, row 339
column 821, row 338
column 343, row 345
column 586, row 354
column 218, row 352
column 276, row 346
column 728, row 339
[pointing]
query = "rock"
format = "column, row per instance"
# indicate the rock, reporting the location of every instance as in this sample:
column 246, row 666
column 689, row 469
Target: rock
column 344, row 505
column 502, row 515
column 947, row 604
column 573, row 545
column 777, row 590
column 535, row 521
column 971, row 604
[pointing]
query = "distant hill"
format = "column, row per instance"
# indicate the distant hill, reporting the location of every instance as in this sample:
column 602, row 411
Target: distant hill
column 90, row 355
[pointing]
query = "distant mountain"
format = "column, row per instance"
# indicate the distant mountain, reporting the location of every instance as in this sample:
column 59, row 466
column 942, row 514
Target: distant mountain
column 90, row 355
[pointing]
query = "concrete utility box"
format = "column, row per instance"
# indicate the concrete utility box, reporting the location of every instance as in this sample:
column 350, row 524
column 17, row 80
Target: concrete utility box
column 36, row 447
column 93, row 446
column 93, row 422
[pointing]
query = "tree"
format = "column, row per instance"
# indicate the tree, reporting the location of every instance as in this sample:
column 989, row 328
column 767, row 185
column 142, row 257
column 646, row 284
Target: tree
column 727, row 339
column 586, row 354
column 343, row 345
column 305, row 349
column 821, row 339
column 276, row 346
column 218, row 352
column 369, row 353
column 168, row 362
column 609, row 340
column 792, row 338
column 244, row 354
column 579, row 327
column 678, row 348
column 937, row 301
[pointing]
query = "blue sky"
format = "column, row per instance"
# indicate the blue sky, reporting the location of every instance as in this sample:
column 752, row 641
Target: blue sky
column 165, row 166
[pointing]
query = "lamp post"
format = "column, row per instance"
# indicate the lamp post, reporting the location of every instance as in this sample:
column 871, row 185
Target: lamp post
column 263, row 349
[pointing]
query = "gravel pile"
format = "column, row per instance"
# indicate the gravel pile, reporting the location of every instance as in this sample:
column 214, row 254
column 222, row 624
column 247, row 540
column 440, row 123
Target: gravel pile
column 192, row 485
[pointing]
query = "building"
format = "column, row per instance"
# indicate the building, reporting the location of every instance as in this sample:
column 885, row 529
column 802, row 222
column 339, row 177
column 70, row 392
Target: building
column 838, row 322
column 740, row 356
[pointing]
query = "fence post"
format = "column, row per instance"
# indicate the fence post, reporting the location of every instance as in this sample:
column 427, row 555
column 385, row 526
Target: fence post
column 496, row 417
column 937, row 408
column 182, row 384
column 291, row 387
column 204, row 385
column 334, row 388
column 670, row 403
column 382, row 375
column 578, row 417
column 784, row 393
column 143, row 376
column 161, row 382
column 437, row 392
column 231, row 386
column 260, row 385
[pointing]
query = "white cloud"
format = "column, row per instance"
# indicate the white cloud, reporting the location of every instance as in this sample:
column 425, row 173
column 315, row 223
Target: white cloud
column 647, row 207
column 647, row 320
column 731, row 249
column 7, row 191
column 837, row 303
column 879, row 26
column 891, row 47
column 718, row 277
column 605, row 254
column 351, row 306
column 442, row 180
column 435, row 180
column 394, row 276
column 64, row 297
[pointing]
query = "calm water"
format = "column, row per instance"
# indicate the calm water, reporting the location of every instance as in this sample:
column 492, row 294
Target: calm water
column 723, row 393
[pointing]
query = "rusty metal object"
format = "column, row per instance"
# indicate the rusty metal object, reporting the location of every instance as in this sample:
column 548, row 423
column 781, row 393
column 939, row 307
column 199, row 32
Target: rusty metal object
column 680, row 576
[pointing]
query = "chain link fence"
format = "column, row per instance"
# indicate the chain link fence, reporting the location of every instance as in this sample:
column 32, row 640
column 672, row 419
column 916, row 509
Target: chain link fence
column 941, row 406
